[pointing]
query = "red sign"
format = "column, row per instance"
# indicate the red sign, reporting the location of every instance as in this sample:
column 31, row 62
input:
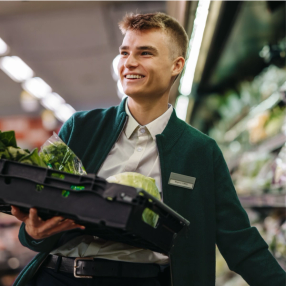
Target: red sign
column 29, row 131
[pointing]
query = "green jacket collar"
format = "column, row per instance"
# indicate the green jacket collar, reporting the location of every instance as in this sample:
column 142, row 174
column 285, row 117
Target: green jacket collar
column 171, row 133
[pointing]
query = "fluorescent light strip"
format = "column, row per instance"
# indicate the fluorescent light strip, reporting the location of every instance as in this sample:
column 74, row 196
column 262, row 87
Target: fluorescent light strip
column 194, row 47
column 64, row 112
column 4, row 49
column 15, row 68
column 52, row 101
column 37, row 87
column 19, row 71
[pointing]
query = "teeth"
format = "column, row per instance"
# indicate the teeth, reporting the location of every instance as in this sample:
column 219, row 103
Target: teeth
column 133, row 76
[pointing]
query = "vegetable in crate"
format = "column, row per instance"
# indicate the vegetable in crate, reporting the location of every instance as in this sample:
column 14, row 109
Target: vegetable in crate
column 139, row 181
column 10, row 151
column 58, row 156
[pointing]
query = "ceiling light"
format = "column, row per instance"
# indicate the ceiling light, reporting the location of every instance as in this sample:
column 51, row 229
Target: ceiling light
column 64, row 112
column 194, row 47
column 37, row 87
column 4, row 49
column 15, row 68
column 52, row 101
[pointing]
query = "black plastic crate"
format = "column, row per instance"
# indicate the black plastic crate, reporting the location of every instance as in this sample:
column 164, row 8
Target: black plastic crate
column 110, row 211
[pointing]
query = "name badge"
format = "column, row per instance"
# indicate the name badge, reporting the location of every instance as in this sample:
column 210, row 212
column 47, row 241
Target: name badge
column 182, row 181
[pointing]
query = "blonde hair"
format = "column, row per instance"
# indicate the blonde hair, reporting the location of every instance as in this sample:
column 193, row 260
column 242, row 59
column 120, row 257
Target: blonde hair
column 166, row 23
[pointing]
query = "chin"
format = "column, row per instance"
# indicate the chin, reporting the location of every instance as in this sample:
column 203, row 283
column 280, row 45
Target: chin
column 134, row 94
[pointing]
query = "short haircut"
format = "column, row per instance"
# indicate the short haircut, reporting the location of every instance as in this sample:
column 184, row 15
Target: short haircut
column 139, row 22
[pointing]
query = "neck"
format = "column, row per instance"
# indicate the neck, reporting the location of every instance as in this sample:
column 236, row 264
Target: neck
column 145, row 111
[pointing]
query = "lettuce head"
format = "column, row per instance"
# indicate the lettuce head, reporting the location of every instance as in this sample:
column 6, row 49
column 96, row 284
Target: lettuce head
column 137, row 180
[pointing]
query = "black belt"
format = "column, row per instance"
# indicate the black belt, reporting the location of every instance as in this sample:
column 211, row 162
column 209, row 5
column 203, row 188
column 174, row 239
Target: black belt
column 88, row 267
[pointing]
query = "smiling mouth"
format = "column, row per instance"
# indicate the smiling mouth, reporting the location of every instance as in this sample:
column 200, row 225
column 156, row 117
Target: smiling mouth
column 133, row 77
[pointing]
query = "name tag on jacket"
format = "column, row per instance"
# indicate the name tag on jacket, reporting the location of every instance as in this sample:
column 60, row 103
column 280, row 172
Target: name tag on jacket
column 182, row 181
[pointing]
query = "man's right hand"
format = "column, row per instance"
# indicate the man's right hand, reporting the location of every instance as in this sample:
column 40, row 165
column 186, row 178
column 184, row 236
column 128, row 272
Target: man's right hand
column 39, row 229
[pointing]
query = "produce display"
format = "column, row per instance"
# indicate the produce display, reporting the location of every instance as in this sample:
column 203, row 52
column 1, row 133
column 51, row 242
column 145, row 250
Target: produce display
column 251, row 113
column 139, row 181
column 266, row 124
column 249, row 125
column 254, row 174
column 279, row 178
column 261, row 172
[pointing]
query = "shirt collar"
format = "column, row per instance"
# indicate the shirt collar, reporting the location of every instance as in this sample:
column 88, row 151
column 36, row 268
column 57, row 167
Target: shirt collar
column 155, row 127
column 132, row 124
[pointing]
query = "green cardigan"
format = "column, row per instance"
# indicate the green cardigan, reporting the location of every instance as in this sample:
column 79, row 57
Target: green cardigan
column 212, row 206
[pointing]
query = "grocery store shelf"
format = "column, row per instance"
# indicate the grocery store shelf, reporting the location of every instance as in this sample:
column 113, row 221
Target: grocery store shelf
column 240, row 126
column 267, row 145
column 271, row 143
column 265, row 200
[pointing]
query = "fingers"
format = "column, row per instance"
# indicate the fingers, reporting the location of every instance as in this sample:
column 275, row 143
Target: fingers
column 54, row 225
column 39, row 229
column 53, row 222
column 18, row 214
column 64, row 225
column 33, row 216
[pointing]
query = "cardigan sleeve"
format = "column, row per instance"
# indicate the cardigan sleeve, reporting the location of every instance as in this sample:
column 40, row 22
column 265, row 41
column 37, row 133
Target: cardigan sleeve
column 49, row 243
column 43, row 245
column 243, row 248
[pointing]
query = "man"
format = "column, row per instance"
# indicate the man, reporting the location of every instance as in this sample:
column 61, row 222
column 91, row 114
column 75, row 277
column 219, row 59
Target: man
column 144, row 135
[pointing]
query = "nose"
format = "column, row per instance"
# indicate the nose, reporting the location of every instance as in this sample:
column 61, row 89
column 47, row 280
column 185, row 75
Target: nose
column 130, row 62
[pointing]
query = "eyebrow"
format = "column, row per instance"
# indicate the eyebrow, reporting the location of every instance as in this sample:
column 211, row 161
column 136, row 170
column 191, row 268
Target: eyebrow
column 140, row 48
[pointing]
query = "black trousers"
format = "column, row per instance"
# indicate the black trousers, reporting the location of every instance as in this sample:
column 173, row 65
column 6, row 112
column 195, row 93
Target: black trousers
column 49, row 277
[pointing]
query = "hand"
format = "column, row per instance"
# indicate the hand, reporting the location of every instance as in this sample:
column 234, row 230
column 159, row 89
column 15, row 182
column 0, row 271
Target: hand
column 39, row 229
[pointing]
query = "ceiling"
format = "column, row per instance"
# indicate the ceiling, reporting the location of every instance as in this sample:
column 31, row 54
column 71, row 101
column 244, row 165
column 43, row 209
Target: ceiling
column 70, row 45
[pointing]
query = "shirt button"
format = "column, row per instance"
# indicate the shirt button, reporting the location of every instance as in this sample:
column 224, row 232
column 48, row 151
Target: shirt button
column 142, row 130
column 139, row 149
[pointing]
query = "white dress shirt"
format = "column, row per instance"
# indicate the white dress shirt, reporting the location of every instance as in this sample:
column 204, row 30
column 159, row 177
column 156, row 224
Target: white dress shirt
column 134, row 151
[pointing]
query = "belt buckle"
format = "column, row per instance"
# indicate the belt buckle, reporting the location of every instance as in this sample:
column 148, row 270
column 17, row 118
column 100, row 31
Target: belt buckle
column 75, row 267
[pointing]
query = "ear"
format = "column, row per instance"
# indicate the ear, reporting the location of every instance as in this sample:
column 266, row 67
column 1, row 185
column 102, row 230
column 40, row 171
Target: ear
column 178, row 66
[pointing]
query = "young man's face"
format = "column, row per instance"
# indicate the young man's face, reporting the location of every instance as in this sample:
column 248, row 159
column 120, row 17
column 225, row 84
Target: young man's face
column 145, row 57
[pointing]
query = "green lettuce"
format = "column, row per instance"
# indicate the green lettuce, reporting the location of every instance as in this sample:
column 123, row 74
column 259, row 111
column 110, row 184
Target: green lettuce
column 10, row 151
column 59, row 156
column 139, row 181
